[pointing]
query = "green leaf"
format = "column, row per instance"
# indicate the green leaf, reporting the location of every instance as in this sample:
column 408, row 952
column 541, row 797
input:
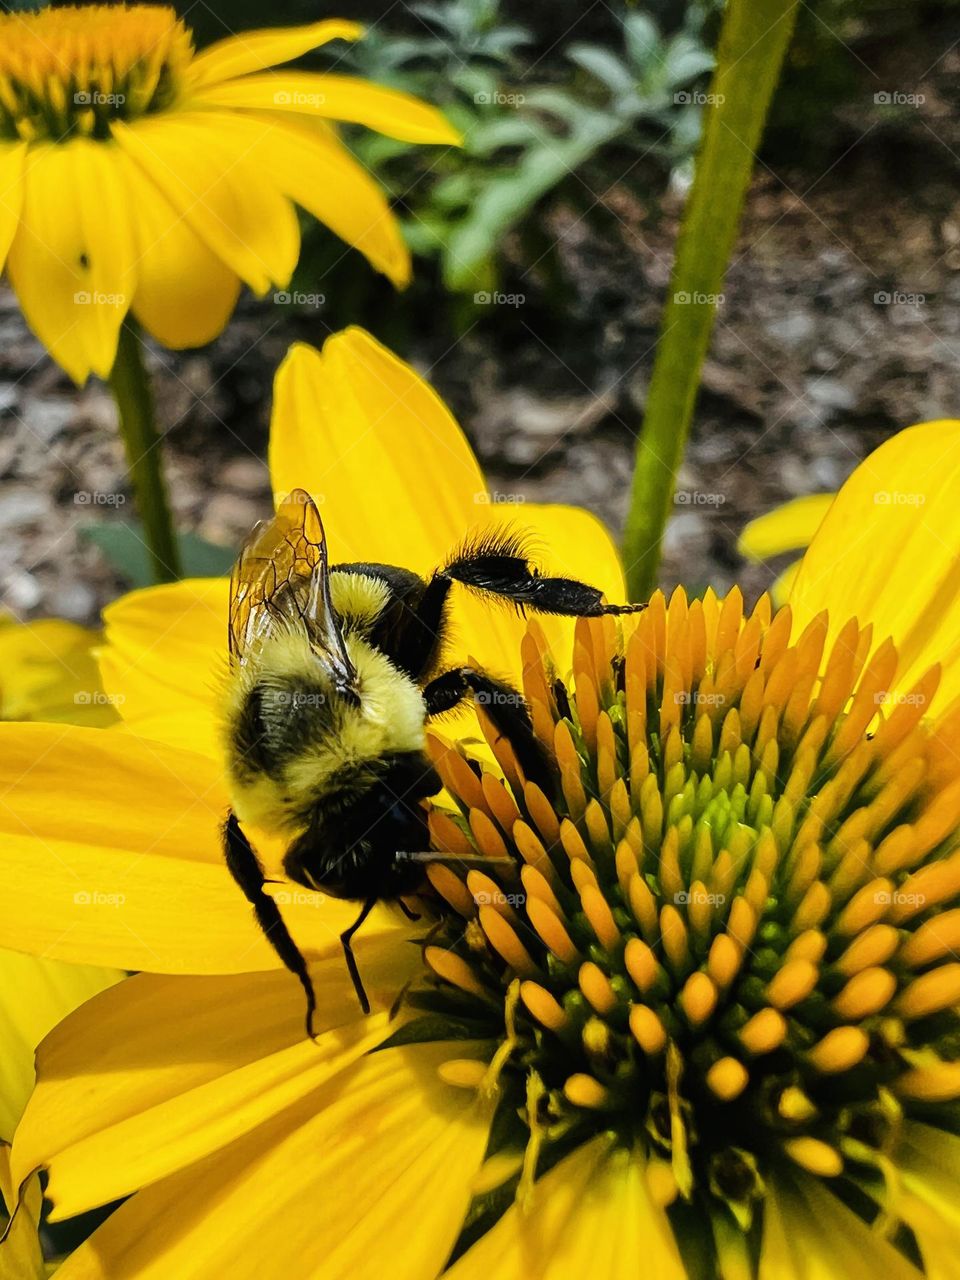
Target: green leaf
column 753, row 42
column 430, row 1028
column 123, row 547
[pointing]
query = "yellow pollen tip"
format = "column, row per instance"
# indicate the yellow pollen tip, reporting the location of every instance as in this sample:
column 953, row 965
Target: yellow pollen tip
column 647, row 1029
column 462, row 1073
column 764, row 1032
column 727, row 1078
column 815, row 1156
column 584, row 1091
column 839, row 1050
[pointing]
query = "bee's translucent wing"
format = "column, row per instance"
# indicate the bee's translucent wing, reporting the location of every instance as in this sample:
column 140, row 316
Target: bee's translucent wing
column 282, row 576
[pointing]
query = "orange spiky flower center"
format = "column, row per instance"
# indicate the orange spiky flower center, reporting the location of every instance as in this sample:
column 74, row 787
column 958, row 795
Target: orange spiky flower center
column 728, row 934
column 71, row 72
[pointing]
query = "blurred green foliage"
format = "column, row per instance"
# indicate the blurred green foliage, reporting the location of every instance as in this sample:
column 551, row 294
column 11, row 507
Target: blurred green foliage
column 526, row 129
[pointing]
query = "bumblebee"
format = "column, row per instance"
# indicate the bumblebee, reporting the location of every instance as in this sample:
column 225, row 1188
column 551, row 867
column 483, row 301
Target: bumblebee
column 334, row 671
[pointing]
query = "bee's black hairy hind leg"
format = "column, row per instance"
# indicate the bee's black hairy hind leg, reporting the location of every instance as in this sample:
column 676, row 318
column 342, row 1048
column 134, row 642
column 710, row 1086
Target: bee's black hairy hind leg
column 346, row 941
column 245, row 868
column 497, row 564
column 505, row 707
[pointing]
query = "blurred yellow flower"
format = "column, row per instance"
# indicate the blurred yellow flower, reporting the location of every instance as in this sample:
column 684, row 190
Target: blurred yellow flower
column 702, row 1021
column 48, row 671
column 137, row 175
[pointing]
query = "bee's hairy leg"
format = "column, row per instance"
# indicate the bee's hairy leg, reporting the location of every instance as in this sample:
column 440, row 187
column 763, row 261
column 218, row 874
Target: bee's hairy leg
column 346, row 941
column 504, row 706
column 497, row 564
column 244, row 866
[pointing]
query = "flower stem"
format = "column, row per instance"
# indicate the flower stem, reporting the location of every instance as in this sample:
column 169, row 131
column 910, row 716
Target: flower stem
column 130, row 384
column 753, row 42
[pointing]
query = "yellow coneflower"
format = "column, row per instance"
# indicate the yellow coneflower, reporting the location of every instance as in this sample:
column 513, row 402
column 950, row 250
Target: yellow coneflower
column 138, row 175
column 693, row 1014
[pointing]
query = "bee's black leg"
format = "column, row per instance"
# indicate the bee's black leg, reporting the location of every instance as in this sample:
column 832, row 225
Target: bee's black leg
column 411, row 915
column 497, row 564
column 346, row 941
column 245, row 868
column 505, row 707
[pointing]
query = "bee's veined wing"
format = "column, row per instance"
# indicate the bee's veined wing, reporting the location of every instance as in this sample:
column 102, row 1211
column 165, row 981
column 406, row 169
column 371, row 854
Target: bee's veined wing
column 282, row 576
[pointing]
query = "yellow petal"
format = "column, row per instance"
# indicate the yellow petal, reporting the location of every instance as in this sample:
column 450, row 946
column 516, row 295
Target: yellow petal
column 72, row 262
column 139, row 1086
column 11, row 193
column 48, row 672
column 888, row 553
column 255, row 50
column 788, row 528
column 358, row 428
column 808, row 1234
column 590, row 1215
column 336, row 97
column 185, row 292
column 35, row 994
column 164, row 662
column 112, row 854
column 367, row 1176
column 201, row 163
column 313, row 168
column 21, row 1257
column 929, row 1163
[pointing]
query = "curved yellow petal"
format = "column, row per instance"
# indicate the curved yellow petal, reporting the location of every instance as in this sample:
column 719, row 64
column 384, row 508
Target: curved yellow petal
column 11, row 193
column 35, row 994
column 106, row 1118
column 21, row 1257
column 929, row 1163
column 395, row 478
column 164, row 662
column 336, row 97
column 201, row 163
column 313, row 168
column 185, row 291
column 808, row 1234
column 369, row 1175
column 112, row 854
column 254, row 50
column 590, row 1215
column 789, row 527
column 888, row 552
column 48, row 672
column 72, row 262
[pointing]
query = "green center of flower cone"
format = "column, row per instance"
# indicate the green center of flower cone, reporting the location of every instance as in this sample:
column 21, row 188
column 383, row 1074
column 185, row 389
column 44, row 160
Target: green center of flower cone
column 728, row 934
column 70, row 72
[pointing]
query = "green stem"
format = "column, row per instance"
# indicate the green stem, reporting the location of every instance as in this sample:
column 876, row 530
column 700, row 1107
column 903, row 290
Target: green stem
column 130, row 384
column 752, row 46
